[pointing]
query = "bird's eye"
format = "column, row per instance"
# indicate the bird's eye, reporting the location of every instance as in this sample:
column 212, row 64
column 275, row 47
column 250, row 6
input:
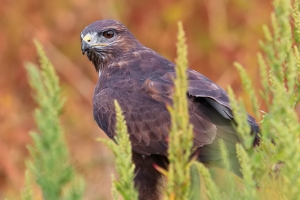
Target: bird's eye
column 108, row 34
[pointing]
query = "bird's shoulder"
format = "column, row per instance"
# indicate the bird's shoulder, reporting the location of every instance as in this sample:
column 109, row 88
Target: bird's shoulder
column 142, row 62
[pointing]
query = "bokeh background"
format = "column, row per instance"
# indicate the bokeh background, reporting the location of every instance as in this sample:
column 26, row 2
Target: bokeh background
column 219, row 32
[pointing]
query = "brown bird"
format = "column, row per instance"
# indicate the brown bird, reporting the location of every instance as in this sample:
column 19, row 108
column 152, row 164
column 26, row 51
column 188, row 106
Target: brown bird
column 141, row 81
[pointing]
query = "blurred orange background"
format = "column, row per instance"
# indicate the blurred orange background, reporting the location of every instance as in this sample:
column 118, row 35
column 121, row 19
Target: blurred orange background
column 218, row 32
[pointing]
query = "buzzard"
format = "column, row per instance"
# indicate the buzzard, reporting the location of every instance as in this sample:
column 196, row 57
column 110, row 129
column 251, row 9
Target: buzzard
column 141, row 81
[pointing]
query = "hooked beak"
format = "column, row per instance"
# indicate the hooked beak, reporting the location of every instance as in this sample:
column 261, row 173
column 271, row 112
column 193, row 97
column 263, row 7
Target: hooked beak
column 86, row 43
column 89, row 42
column 84, row 47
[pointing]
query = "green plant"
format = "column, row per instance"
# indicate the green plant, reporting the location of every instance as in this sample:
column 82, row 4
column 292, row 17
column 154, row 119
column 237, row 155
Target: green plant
column 273, row 167
column 123, row 153
column 181, row 132
column 50, row 165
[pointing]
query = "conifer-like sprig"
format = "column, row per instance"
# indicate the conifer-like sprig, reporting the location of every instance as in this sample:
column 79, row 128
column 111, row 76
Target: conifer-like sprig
column 124, row 166
column 280, row 129
column 181, row 133
column 51, row 163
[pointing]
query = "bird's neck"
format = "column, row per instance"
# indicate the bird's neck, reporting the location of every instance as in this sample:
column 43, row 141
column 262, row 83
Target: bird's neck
column 102, row 62
column 110, row 59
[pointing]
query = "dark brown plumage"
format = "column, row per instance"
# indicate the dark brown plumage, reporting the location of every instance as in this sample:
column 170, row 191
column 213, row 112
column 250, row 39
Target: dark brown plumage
column 141, row 81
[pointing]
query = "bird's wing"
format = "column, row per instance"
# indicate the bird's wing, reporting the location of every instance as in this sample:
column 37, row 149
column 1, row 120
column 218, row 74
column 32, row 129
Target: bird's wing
column 209, row 108
column 148, row 121
column 161, row 88
column 202, row 87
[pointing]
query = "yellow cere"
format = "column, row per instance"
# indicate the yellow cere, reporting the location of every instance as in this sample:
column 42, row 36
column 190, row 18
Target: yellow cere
column 87, row 38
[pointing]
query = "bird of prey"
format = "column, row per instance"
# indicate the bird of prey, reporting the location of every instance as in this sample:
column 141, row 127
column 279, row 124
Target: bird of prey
column 141, row 81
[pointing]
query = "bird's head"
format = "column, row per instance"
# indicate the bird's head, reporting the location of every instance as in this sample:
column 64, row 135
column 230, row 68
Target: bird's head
column 104, row 40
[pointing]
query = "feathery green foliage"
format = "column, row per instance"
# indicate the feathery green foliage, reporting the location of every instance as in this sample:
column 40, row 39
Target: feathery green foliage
column 181, row 133
column 50, row 165
column 274, row 165
column 212, row 190
column 240, row 116
column 247, row 86
column 250, row 192
column 122, row 151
